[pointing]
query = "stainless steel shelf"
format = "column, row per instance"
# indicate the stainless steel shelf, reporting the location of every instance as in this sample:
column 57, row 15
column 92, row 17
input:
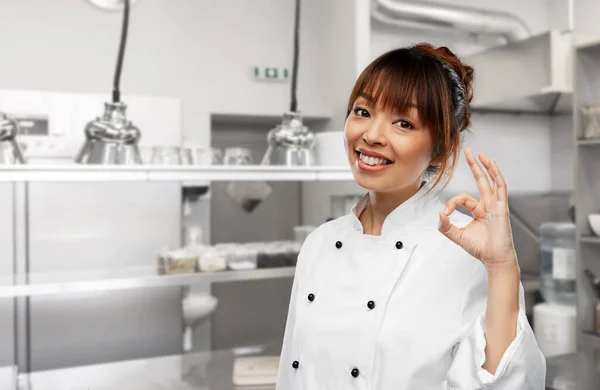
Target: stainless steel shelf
column 129, row 278
column 588, row 142
column 94, row 173
column 590, row 239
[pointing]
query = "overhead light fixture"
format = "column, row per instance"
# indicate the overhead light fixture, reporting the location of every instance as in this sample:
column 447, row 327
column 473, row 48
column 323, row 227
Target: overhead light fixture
column 111, row 138
column 291, row 143
column 111, row 5
column 10, row 150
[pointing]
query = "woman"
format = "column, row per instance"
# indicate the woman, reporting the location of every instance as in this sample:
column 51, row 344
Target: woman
column 404, row 293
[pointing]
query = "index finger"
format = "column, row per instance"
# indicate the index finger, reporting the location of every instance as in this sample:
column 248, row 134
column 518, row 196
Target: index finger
column 483, row 183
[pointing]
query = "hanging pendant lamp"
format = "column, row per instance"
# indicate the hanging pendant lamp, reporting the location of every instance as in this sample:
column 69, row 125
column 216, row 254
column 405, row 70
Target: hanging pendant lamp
column 111, row 138
column 10, row 150
column 291, row 143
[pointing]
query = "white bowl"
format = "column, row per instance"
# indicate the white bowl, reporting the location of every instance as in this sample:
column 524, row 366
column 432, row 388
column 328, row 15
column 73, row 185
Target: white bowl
column 594, row 220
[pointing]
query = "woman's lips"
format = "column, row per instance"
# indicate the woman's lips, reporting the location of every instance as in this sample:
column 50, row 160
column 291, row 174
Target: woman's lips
column 362, row 166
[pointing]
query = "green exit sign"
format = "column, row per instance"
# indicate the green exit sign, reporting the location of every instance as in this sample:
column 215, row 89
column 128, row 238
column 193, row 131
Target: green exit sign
column 274, row 73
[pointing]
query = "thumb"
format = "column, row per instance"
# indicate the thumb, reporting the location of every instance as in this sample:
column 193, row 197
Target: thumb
column 447, row 229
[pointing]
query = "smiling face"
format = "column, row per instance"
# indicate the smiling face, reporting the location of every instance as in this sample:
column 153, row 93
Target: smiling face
column 388, row 151
column 400, row 121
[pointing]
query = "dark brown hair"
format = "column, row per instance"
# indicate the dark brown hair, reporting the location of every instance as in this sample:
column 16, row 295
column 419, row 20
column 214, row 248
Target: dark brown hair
column 438, row 82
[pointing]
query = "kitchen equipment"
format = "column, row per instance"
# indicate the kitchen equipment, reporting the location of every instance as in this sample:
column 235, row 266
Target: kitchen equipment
column 237, row 156
column 166, row 155
column 196, row 307
column 594, row 220
column 112, row 139
column 555, row 328
column 247, row 194
column 558, row 262
column 291, row 143
column 594, row 282
column 592, row 120
column 330, row 150
column 10, row 150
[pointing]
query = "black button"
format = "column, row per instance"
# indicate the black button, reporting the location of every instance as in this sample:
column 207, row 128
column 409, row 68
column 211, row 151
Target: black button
column 355, row 372
column 311, row 297
column 295, row 364
column 399, row 245
column 371, row 305
column 338, row 244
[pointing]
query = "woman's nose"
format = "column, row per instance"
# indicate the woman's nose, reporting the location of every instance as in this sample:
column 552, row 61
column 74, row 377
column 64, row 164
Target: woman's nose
column 375, row 134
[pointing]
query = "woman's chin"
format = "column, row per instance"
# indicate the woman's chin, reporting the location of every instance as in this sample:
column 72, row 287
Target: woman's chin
column 376, row 184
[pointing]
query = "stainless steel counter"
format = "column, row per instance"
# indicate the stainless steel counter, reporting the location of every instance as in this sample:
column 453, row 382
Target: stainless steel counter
column 198, row 371
column 214, row 370
column 580, row 371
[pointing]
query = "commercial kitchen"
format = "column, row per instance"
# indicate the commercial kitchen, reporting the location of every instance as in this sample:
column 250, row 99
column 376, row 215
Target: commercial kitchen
column 163, row 161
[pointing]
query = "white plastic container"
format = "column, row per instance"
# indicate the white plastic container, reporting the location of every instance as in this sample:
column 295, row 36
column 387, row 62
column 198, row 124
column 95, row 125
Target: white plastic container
column 558, row 262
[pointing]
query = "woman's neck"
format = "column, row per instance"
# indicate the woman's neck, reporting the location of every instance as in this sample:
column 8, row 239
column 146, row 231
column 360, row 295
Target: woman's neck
column 381, row 204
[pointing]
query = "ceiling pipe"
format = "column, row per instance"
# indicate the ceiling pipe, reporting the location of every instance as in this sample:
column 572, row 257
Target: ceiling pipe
column 440, row 17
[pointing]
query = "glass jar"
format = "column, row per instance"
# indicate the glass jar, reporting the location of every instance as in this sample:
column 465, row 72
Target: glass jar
column 237, row 156
column 558, row 262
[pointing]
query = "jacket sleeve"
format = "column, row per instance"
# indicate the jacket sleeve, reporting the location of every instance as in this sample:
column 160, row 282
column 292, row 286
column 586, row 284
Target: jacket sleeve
column 522, row 366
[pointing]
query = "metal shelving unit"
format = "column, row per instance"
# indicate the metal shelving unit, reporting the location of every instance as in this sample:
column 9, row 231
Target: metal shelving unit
column 124, row 279
column 83, row 173
column 586, row 90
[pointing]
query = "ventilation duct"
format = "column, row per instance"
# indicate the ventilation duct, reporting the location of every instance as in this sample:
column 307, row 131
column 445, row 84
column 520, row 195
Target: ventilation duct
column 443, row 18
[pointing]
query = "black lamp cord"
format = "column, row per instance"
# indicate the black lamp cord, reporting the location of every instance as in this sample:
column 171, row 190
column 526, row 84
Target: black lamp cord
column 116, row 95
column 294, row 102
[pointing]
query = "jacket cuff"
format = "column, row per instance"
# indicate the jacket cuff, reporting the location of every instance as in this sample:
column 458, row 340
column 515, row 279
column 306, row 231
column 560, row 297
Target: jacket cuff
column 484, row 376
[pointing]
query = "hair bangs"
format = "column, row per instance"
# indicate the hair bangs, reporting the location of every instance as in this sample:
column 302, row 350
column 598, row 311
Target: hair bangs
column 395, row 83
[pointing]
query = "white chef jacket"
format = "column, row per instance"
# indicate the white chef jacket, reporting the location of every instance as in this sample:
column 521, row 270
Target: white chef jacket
column 403, row 310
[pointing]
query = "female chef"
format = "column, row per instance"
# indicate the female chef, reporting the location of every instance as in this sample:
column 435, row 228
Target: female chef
column 404, row 292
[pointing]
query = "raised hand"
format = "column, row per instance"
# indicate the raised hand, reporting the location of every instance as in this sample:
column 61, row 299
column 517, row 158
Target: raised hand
column 489, row 236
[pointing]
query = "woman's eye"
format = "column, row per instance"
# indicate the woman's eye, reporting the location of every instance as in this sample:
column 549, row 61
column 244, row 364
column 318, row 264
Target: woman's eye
column 404, row 124
column 361, row 112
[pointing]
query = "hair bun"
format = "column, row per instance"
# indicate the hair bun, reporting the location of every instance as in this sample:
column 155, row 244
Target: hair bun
column 465, row 71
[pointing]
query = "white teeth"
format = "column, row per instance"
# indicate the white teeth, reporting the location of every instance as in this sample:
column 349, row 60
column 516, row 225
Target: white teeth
column 372, row 160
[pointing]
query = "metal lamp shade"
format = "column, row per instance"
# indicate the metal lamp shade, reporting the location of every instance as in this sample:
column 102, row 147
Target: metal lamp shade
column 290, row 143
column 10, row 150
column 111, row 139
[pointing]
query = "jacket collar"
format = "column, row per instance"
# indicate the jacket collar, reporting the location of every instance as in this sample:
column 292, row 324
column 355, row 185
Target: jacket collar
column 419, row 210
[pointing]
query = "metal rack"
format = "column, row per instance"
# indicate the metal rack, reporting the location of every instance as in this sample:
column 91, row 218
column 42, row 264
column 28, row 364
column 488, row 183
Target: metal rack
column 587, row 183
column 95, row 173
